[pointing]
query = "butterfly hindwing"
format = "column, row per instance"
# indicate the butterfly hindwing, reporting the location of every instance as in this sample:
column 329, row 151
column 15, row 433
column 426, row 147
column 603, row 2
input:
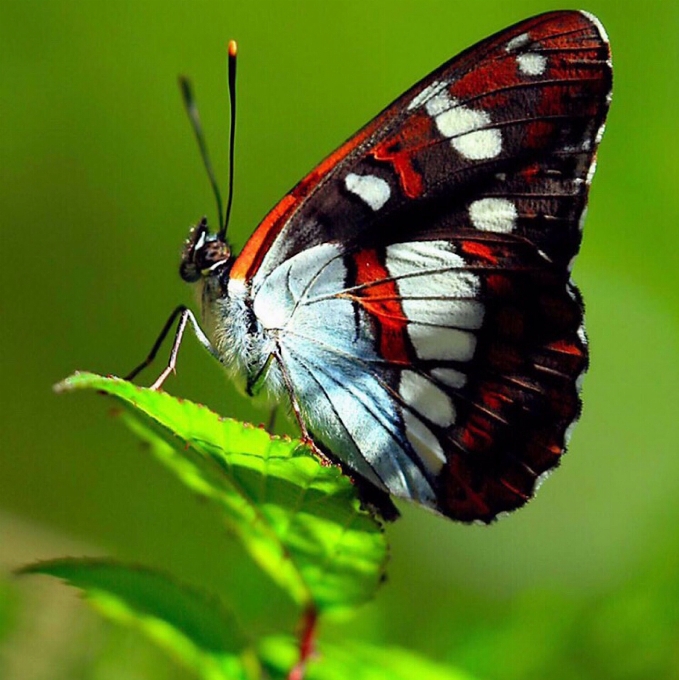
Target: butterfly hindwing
column 417, row 282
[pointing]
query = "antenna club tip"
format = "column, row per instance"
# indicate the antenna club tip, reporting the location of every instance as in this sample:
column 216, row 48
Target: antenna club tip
column 232, row 48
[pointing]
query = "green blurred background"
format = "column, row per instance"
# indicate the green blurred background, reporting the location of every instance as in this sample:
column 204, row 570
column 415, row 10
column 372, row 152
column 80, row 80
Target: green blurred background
column 101, row 179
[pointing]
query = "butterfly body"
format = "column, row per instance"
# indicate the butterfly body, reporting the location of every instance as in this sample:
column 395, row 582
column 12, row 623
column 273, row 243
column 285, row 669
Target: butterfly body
column 412, row 295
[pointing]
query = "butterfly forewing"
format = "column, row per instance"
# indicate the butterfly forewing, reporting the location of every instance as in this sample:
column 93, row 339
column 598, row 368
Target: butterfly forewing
column 514, row 115
column 425, row 322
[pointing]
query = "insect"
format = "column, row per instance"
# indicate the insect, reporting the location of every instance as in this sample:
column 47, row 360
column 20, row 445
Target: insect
column 411, row 295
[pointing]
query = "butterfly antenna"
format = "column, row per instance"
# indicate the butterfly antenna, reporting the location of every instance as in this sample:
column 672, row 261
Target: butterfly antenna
column 232, row 50
column 192, row 111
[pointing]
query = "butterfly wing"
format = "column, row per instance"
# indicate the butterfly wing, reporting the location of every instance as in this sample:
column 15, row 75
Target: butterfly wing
column 417, row 281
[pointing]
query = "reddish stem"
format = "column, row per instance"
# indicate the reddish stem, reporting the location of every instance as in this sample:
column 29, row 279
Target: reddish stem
column 307, row 637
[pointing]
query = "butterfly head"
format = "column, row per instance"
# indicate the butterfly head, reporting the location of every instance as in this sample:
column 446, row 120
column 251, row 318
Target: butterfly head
column 205, row 255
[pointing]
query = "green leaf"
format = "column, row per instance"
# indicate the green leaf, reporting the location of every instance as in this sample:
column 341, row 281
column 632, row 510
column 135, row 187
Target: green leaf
column 300, row 520
column 191, row 626
column 355, row 660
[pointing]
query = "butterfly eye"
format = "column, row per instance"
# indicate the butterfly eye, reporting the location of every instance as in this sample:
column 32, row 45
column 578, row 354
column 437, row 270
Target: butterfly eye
column 204, row 254
column 211, row 256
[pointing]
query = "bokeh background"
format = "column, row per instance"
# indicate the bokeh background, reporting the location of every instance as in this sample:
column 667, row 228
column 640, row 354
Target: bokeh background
column 100, row 180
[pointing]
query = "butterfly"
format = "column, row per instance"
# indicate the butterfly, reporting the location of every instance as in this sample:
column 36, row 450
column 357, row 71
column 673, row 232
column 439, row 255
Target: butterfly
column 411, row 296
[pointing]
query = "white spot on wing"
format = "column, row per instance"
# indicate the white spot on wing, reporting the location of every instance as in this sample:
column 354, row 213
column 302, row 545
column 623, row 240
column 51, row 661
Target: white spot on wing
column 583, row 217
column 459, row 120
column 493, row 214
column 540, row 479
column 371, row 189
column 416, row 255
column 442, row 343
column 579, row 381
column 424, row 442
column 600, row 132
column 428, row 92
column 468, row 129
column 518, row 41
column 444, row 311
column 569, row 433
column 421, row 395
column 439, row 297
column 582, row 335
column 591, row 171
column 480, row 144
column 439, row 103
column 450, row 376
column 531, row 64
column 430, row 269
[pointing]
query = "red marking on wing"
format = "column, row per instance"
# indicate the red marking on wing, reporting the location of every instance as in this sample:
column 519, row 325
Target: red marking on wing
column 566, row 348
column 479, row 250
column 400, row 148
column 494, row 400
column 487, row 78
column 498, row 284
column 247, row 263
column 380, row 298
column 477, row 435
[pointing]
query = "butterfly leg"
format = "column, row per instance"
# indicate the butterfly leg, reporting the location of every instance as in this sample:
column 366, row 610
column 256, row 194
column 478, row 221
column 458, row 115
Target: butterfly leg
column 185, row 316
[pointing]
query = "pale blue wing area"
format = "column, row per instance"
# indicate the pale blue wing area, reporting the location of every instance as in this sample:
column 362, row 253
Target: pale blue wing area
column 351, row 413
column 327, row 351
